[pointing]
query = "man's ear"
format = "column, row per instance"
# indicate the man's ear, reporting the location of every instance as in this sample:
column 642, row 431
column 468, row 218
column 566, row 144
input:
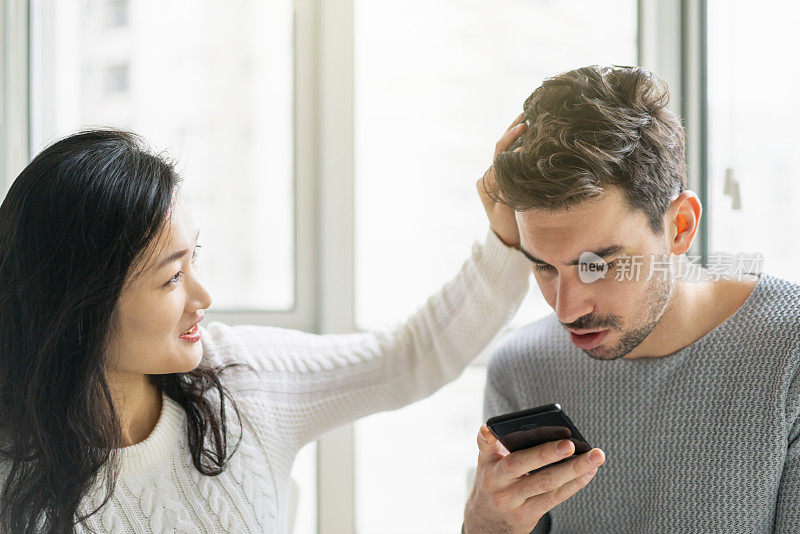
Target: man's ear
column 683, row 221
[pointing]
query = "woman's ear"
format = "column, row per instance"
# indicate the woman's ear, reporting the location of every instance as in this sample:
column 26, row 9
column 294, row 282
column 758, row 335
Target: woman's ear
column 683, row 221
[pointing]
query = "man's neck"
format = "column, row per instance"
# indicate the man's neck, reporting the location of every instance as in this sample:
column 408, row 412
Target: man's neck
column 694, row 309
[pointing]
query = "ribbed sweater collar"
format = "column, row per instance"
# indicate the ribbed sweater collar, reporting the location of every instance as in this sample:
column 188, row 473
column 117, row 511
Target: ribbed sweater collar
column 158, row 445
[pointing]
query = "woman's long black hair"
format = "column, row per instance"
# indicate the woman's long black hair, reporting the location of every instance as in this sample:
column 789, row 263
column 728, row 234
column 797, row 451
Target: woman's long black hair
column 72, row 226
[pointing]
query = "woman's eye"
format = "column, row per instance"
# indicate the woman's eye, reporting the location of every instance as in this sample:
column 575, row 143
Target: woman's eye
column 544, row 268
column 177, row 278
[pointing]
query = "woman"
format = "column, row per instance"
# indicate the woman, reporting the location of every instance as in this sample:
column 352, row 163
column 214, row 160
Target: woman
column 113, row 410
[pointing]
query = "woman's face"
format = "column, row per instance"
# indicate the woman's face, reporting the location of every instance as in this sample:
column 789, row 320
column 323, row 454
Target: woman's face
column 160, row 303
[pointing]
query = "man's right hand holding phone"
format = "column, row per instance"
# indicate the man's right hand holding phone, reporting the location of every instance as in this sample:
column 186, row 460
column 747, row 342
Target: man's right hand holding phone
column 506, row 499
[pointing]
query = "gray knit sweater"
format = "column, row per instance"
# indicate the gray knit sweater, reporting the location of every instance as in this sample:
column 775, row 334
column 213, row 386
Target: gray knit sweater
column 703, row 440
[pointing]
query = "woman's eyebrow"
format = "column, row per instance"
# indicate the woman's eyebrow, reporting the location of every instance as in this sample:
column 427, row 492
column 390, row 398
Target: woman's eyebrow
column 176, row 255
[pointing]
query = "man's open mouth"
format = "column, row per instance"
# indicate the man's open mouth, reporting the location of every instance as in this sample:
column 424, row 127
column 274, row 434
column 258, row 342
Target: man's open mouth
column 587, row 340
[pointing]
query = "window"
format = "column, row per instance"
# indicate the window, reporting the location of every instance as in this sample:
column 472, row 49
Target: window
column 116, row 79
column 754, row 164
column 211, row 84
column 432, row 99
column 116, row 13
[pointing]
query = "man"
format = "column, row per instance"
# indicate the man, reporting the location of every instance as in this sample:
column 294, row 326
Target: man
column 690, row 384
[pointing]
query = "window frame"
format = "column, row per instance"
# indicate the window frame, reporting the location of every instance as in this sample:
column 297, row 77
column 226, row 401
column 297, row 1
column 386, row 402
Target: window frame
column 14, row 76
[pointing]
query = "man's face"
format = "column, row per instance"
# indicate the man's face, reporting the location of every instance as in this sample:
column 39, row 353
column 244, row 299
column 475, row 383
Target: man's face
column 626, row 300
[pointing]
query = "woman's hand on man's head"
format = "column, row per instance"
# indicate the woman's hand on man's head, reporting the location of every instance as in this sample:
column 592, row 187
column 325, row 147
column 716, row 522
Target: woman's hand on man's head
column 501, row 217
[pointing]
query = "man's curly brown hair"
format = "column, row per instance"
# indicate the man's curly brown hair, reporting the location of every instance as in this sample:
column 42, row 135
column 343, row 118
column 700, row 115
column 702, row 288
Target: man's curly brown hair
column 591, row 128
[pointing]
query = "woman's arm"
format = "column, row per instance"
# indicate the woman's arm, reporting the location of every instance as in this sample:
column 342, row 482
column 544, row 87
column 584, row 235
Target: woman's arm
column 311, row 383
column 306, row 384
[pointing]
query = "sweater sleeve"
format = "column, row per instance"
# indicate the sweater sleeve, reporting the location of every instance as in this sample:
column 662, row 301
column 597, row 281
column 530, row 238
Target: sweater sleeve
column 787, row 512
column 495, row 398
column 309, row 384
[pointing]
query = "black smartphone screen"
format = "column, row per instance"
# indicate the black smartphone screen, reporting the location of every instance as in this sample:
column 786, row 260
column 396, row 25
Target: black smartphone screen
column 528, row 428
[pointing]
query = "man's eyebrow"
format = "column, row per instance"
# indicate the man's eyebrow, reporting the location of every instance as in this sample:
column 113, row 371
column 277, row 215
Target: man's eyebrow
column 176, row 255
column 602, row 252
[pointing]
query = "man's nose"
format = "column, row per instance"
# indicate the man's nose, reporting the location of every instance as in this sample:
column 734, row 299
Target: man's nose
column 574, row 299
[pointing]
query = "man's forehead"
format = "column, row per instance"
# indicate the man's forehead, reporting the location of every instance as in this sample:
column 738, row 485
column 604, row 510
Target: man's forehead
column 563, row 231
column 599, row 215
column 608, row 206
column 560, row 237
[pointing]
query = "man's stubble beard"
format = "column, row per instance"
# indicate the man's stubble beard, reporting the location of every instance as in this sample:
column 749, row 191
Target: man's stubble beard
column 658, row 294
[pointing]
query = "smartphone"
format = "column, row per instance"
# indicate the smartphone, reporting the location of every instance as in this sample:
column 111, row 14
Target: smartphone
column 528, row 428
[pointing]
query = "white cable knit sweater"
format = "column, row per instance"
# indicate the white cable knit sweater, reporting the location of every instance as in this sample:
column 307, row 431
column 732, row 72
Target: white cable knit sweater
column 304, row 385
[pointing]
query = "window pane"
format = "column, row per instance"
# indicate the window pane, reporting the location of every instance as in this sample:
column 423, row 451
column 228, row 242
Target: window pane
column 210, row 82
column 303, row 491
column 414, row 465
column 437, row 83
column 753, row 137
